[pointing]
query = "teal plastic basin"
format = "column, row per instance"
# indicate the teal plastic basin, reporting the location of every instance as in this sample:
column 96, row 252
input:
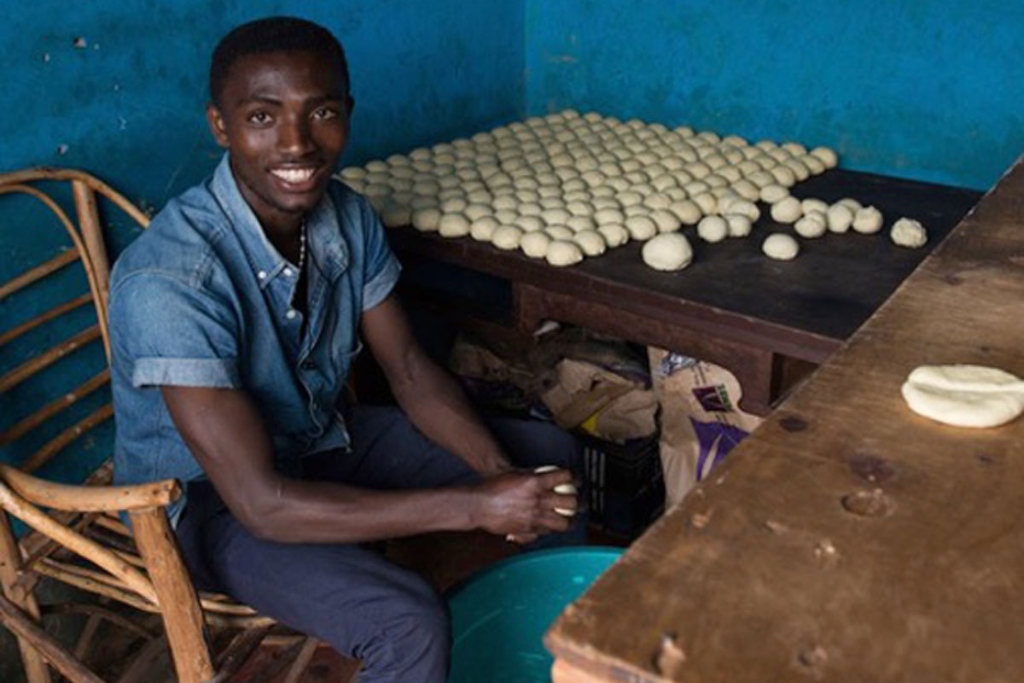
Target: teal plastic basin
column 500, row 615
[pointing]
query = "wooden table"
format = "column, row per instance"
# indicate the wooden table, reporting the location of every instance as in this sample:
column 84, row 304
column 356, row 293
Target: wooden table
column 846, row 539
column 733, row 306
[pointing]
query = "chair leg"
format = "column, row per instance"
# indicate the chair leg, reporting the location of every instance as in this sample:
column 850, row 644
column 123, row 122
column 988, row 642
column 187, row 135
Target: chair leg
column 302, row 661
column 10, row 570
column 179, row 605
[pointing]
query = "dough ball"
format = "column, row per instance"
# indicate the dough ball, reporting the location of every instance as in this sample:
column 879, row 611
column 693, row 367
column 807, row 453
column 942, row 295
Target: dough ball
column 474, row 211
column 580, row 223
column 426, row 220
column 794, row 148
column 658, row 200
column 686, row 211
column 826, row 156
column 781, row 247
column 606, row 216
column 812, row 225
column 529, row 223
column 787, row 210
column 743, row 207
column 906, row 232
column 530, row 209
column 867, row 221
column 580, row 208
column 712, row 229
column 851, row 203
column 422, row 202
column 707, row 202
column 733, row 174
column 629, row 198
column 507, row 237
column 812, row 204
column 761, row 179
column 770, row 194
column 665, row 220
column 614, row 234
column 559, row 232
column 840, row 218
column 590, row 242
column 641, row 227
column 506, row 216
column 815, row 165
column 353, row 173
column 964, row 395
column 668, row 252
column 453, row 225
column 747, row 190
column 799, row 169
column 535, row 244
column 506, row 202
column 482, row 229
column 738, row 224
column 377, row 190
column 783, row 176
column 555, row 216
column 563, row 253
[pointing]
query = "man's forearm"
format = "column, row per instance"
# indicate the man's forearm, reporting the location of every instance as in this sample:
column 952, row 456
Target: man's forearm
column 438, row 407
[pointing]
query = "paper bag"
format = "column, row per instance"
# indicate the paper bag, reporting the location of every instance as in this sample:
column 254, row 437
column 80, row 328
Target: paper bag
column 600, row 402
column 700, row 418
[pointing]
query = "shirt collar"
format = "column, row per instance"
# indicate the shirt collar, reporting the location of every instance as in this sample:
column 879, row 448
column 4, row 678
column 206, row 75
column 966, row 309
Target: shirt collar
column 266, row 262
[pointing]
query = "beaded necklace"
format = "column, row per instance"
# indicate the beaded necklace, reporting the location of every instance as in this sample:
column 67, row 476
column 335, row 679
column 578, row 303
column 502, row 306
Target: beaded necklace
column 302, row 247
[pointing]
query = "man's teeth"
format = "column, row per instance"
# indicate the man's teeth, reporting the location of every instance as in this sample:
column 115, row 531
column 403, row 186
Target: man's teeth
column 294, row 175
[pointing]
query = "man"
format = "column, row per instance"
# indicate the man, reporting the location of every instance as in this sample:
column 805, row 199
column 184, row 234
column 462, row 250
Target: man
column 234, row 320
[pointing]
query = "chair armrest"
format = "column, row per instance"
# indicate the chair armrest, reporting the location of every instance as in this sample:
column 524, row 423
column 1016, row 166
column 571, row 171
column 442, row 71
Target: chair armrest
column 72, row 498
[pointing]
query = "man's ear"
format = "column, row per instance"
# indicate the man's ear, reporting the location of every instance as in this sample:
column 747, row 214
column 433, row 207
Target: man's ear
column 216, row 122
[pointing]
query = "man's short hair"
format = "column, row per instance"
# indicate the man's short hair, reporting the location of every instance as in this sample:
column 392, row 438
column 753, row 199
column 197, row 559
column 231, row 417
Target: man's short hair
column 273, row 34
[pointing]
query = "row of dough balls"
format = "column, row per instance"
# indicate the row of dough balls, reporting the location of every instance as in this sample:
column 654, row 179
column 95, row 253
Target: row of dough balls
column 811, row 218
column 566, row 186
column 590, row 181
column 672, row 251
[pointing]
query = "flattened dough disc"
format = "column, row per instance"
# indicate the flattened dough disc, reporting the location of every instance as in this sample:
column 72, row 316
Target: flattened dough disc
column 964, row 395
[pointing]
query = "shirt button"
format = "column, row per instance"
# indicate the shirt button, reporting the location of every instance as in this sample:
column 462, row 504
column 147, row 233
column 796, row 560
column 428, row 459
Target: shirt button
column 308, row 365
column 290, row 314
column 287, row 272
column 262, row 275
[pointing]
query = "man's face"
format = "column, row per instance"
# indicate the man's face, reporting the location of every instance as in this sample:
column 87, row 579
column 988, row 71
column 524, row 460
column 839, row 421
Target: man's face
column 284, row 118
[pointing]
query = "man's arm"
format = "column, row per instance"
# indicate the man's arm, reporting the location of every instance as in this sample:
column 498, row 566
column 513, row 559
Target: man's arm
column 430, row 397
column 224, row 431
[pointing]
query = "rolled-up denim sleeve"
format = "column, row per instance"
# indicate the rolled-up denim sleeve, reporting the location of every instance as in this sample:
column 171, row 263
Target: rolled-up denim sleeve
column 172, row 333
column 382, row 267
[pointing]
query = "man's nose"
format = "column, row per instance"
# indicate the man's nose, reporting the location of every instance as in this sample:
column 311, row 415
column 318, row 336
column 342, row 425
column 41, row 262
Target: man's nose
column 295, row 136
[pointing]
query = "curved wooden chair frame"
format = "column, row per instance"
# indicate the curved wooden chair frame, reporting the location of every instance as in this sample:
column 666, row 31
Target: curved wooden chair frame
column 75, row 535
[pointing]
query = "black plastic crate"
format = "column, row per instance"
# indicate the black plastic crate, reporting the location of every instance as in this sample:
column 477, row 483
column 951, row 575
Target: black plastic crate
column 626, row 489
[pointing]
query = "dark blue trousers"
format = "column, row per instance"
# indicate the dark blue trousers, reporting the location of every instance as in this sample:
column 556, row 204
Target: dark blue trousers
column 345, row 594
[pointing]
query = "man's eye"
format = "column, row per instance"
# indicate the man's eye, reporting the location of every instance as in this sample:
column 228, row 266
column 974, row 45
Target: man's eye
column 259, row 117
column 325, row 113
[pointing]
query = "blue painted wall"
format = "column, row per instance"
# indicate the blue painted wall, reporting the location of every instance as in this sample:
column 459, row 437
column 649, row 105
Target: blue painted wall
column 926, row 89
column 127, row 101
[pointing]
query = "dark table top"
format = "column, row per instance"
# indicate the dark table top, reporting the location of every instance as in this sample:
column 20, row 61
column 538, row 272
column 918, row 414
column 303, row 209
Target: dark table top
column 827, row 292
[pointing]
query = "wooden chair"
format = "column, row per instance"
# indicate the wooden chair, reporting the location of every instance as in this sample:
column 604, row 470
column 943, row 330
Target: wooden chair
column 54, row 326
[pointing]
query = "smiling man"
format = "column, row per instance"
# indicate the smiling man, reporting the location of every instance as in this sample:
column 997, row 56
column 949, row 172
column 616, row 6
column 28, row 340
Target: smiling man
column 234, row 321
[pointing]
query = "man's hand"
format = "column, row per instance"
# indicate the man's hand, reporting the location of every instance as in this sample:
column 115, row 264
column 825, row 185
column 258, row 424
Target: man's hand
column 522, row 506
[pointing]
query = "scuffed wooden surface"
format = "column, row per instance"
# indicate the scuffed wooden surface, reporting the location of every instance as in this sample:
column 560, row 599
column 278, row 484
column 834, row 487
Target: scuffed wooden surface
column 848, row 539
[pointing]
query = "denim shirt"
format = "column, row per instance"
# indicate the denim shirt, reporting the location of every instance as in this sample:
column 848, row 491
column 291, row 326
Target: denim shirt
column 202, row 299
